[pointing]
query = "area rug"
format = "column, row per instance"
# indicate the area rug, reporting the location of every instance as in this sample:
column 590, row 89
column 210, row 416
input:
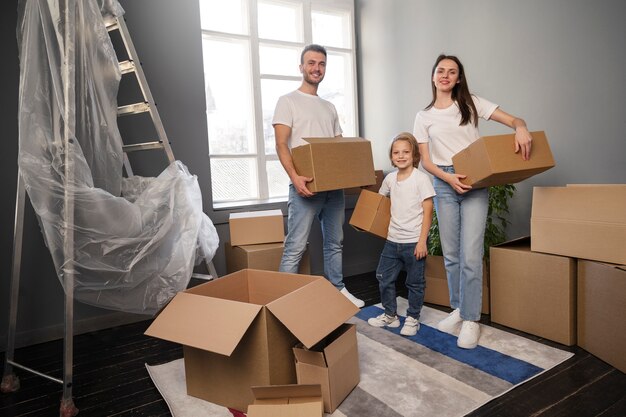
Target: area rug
column 423, row 375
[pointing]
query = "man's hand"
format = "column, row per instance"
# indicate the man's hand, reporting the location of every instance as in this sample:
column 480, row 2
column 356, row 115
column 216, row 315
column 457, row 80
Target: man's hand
column 299, row 183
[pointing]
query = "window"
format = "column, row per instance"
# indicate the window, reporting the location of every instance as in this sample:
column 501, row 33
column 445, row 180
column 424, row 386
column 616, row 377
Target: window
column 251, row 51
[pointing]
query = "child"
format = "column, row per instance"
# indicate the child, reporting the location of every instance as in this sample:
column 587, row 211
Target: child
column 411, row 196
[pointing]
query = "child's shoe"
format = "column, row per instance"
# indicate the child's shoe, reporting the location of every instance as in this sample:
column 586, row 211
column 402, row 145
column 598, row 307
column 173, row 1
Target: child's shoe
column 411, row 326
column 384, row 321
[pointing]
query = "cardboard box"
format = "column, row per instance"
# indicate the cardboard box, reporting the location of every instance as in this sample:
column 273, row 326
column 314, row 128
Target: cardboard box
column 335, row 163
column 601, row 311
column 491, row 160
column 239, row 331
column 581, row 221
column 533, row 292
column 265, row 256
column 372, row 213
column 287, row 401
column 380, row 176
column 333, row 363
column 437, row 284
column 253, row 227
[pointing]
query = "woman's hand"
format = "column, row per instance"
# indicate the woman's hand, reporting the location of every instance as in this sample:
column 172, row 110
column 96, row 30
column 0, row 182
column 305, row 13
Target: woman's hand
column 454, row 180
column 523, row 142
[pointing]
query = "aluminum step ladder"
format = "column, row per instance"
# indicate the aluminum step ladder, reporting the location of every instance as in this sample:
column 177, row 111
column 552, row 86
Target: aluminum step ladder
column 10, row 382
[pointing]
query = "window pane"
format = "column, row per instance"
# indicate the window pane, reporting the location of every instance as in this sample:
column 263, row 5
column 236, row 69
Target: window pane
column 271, row 90
column 277, row 179
column 234, row 179
column 279, row 20
column 332, row 28
column 224, row 16
column 228, row 86
column 337, row 88
column 279, row 60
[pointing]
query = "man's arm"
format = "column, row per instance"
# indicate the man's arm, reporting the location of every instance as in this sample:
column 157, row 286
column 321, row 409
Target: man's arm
column 282, row 134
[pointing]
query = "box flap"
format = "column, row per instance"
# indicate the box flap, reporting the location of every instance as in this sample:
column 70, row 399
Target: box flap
column 206, row 323
column 311, row 357
column 339, row 348
column 313, row 311
column 292, row 390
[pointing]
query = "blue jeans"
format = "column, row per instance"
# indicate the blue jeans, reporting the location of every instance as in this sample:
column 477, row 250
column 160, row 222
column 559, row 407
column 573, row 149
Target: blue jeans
column 462, row 219
column 329, row 208
column 394, row 257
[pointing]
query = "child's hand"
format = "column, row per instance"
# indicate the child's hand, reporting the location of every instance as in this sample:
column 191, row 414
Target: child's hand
column 420, row 250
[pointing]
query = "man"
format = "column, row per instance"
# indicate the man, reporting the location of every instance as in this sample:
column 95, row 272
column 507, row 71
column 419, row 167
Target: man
column 301, row 114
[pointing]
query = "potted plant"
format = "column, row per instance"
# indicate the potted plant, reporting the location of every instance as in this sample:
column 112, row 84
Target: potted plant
column 495, row 233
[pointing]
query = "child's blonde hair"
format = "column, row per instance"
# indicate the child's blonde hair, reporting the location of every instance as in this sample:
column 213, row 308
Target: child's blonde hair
column 410, row 139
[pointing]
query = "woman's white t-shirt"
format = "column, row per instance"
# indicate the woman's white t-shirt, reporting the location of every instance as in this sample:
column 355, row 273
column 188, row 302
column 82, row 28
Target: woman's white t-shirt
column 406, row 204
column 441, row 128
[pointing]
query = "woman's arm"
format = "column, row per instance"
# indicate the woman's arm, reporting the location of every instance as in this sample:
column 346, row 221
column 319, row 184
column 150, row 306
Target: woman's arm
column 453, row 179
column 523, row 139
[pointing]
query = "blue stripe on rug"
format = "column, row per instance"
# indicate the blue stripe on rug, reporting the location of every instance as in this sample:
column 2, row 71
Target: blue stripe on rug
column 487, row 360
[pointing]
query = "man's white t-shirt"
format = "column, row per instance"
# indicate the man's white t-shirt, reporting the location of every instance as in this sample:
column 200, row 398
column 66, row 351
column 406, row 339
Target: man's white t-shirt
column 308, row 116
column 441, row 128
column 406, row 204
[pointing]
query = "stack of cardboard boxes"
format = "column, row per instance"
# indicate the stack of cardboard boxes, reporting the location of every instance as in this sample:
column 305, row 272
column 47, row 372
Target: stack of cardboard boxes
column 567, row 283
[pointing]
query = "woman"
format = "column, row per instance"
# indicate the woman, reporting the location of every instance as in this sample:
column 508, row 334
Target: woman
column 446, row 126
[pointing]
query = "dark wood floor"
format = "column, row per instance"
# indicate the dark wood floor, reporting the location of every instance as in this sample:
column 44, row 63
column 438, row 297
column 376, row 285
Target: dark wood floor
column 110, row 378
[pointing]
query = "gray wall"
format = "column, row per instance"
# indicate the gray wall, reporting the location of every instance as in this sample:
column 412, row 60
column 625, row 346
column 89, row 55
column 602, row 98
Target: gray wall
column 558, row 64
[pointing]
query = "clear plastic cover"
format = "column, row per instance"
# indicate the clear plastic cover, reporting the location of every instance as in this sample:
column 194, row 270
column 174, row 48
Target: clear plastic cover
column 129, row 244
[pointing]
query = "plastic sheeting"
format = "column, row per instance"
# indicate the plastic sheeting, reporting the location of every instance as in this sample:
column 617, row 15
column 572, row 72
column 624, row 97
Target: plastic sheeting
column 129, row 252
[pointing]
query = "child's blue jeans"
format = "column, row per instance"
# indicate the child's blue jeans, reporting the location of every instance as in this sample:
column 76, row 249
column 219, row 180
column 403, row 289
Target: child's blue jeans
column 394, row 258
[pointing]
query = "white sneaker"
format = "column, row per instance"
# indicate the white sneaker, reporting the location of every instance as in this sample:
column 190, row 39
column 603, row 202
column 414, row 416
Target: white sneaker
column 411, row 326
column 470, row 332
column 384, row 321
column 357, row 302
column 450, row 323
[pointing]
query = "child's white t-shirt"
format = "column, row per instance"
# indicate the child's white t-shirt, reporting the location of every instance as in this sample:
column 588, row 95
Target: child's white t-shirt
column 308, row 116
column 406, row 204
column 441, row 128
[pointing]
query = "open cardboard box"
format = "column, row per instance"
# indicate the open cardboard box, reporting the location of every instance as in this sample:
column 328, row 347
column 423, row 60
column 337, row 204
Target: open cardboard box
column 533, row 292
column 286, row 401
column 601, row 311
column 239, row 331
column 581, row 221
column 253, row 227
column 335, row 163
column 372, row 213
column 491, row 160
column 333, row 363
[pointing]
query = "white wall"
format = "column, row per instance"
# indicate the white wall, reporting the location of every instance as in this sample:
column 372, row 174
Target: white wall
column 558, row 64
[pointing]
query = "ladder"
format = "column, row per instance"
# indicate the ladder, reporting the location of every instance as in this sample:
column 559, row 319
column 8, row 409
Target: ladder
column 10, row 382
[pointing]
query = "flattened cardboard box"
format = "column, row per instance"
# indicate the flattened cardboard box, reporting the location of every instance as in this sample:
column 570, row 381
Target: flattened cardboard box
column 265, row 256
column 287, row 401
column 491, row 160
column 372, row 213
column 601, row 311
column 380, row 176
column 238, row 331
column 581, row 221
column 253, row 227
column 335, row 163
column 533, row 292
column 334, row 364
column 437, row 284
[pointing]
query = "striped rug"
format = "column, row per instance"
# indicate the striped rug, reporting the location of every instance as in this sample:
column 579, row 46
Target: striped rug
column 423, row 375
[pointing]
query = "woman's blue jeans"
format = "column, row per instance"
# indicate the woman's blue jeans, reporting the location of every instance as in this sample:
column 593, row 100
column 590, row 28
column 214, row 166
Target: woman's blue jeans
column 393, row 259
column 462, row 219
column 329, row 208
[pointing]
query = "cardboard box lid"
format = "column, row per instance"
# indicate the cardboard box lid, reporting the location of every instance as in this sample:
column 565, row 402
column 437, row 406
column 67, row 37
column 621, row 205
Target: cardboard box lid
column 312, row 312
column 217, row 326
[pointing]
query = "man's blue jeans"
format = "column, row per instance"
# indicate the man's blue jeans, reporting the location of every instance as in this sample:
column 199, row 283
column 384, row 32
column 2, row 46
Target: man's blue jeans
column 329, row 208
column 394, row 258
column 462, row 219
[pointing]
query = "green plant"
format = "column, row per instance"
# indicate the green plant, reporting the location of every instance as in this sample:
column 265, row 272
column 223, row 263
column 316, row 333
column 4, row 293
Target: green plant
column 495, row 229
